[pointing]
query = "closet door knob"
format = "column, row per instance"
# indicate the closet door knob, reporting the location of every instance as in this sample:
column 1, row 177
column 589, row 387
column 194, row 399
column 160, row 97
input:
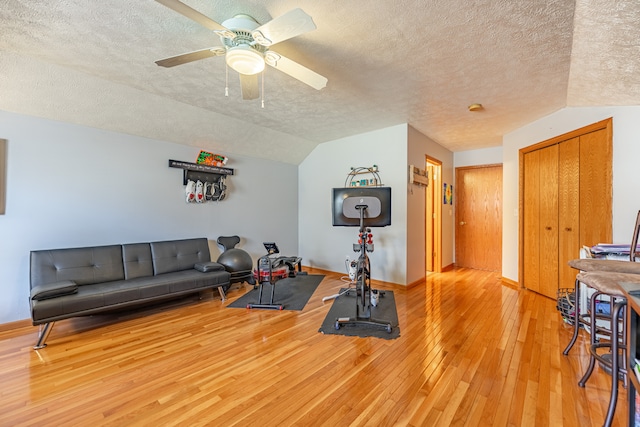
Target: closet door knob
column 547, row 228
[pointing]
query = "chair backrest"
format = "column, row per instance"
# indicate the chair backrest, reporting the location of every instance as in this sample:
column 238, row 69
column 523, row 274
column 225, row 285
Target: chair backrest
column 228, row 242
column 634, row 239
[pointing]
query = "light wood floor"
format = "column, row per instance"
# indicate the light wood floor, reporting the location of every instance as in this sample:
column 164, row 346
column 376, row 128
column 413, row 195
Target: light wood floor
column 471, row 352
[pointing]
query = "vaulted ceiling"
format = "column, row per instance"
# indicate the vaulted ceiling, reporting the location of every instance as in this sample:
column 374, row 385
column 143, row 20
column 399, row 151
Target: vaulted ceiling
column 421, row 62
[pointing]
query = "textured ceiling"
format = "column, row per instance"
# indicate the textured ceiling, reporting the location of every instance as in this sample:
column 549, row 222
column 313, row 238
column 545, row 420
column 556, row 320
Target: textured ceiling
column 420, row 62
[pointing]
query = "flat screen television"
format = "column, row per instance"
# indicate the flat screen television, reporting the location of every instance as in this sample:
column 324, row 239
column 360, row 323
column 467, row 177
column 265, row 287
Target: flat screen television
column 377, row 200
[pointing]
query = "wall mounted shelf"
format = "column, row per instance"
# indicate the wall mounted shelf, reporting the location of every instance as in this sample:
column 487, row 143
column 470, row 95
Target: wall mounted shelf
column 195, row 171
column 418, row 176
column 373, row 180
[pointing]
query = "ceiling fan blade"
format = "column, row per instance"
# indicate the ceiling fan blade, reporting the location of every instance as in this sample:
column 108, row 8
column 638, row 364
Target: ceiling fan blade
column 249, row 86
column 190, row 57
column 291, row 24
column 192, row 14
column 297, row 71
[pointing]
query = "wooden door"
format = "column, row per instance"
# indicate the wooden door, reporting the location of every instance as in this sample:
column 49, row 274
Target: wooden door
column 574, row 181
column 548, row 229
column 478, row 199
column 531, row 219
column 596, row 188
column 541, row 221
column 568, row 210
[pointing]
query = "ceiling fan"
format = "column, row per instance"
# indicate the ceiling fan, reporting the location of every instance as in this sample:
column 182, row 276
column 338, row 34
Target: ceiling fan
column 246, row 46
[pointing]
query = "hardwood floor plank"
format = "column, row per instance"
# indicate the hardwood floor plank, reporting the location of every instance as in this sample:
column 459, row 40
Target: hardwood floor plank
column 471, row 352
column 475, row 414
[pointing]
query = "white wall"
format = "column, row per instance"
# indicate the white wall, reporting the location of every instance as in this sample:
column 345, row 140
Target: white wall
column 419, row 147
column 70, row 186
column 326, row 247
column 626, row 154
column 73, row 186
column 484, row 156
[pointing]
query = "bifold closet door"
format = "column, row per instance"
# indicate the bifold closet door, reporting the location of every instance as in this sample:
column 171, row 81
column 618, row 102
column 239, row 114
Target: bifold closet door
column 541, row 221
column 596, row 197
column 566, row 203
column 531, row 218
column 568, row 209
column 549, row 221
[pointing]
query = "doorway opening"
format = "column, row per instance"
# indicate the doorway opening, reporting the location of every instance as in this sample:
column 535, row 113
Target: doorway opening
column 433, row 216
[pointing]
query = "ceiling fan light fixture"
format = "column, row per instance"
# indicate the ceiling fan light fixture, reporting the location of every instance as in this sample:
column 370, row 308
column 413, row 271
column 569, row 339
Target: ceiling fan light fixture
column 245, row 60
column 225, row 34
column 261, row 39
column 272, row 58
column 218, row 51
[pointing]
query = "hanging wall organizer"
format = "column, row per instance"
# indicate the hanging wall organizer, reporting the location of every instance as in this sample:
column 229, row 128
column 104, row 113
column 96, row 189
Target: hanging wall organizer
column 355, row 177
column 214, row 175
column 418, row 176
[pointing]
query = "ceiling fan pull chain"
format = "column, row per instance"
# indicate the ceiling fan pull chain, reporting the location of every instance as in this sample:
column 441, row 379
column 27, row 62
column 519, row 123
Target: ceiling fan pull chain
column 226, row 80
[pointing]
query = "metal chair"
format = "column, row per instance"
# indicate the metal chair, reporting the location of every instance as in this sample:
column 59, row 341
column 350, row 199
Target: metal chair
column 603, row 276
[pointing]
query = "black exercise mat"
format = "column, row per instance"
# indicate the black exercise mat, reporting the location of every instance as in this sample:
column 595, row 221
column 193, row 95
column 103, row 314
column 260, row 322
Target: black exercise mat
column 292, row 292
column 345, row 306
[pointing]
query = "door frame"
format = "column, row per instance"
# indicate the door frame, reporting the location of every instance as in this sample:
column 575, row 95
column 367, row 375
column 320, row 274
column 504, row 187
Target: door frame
column 436, row 200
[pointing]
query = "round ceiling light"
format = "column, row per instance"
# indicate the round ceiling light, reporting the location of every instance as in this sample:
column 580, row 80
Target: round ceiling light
column 245, row 60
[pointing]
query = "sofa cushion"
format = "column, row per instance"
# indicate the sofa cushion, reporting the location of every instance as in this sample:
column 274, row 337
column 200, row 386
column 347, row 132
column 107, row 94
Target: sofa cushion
column 84, row 266
column 177, row 255
column 206, row 267
column 89, row 299
column 120, row 294
column 137, row 260
column 54, row 290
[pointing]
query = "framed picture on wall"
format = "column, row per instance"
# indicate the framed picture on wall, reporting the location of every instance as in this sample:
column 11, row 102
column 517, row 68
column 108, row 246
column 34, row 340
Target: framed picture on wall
column 447, row 194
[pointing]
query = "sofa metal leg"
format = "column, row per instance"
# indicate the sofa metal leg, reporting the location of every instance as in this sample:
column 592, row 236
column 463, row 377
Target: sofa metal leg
column 222, row 294
column 43, row 335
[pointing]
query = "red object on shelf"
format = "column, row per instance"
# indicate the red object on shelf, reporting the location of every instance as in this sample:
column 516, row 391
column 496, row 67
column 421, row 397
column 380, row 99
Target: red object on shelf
column 211, row 159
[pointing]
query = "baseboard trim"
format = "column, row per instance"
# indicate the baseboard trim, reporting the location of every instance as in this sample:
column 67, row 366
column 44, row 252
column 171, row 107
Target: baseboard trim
column 448, row 267
column 510, row 283
column 418, row 282
column 15, row 325
column 314, row 270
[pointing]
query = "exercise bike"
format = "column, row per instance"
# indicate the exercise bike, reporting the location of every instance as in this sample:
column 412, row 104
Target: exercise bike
column 364, row 294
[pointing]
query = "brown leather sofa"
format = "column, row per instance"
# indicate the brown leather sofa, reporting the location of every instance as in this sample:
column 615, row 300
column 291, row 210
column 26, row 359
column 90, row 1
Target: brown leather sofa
column 76, row 282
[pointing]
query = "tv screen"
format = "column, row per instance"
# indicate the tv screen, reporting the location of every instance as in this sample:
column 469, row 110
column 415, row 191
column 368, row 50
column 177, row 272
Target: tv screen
column 377, row 200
